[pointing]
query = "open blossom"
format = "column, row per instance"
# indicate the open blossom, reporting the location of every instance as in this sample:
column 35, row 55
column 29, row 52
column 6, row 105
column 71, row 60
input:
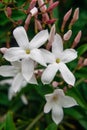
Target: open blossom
column 16, row 73
column 56, row 101
column 58, row 61
column 27, row 51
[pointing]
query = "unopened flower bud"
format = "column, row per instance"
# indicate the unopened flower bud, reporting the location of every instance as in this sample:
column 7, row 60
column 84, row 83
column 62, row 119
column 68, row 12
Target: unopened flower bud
column 77, row 39
column 34, row 11
column 52, row 6
column 67, row 15
column 67, row 35
column 32, row 5
column 51, row 21
column 9, row 11
column 65, row 19
column 3, row 50
column 85, row 62
column 55, row 84
column 38, row 24
column 42, row 5
column 27, row 22
column 24, row 99
column 45, row 17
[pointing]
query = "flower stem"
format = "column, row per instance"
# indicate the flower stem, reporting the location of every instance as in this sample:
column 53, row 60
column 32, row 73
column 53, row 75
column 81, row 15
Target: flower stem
column 34, row 121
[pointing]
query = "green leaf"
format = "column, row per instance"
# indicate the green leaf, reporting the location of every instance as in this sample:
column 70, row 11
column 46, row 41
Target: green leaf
column 82, row 49
column 9, row 124
column 52, row 126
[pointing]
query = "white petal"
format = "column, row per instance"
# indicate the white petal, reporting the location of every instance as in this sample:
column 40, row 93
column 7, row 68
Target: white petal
column 6, row 81
column 7, row 70
column 68, row 55
column 17, row 64
column 17, row 83
column 47, row 107
column 49, row 73
column 11, row 93
column 67, row 101
column 14, row 54
column 33, row 80
column 48, row 56
column 39, row 39
column 66, row 74
column 57, row 45
column 36, row 55
column 57, row 114
column 24, row 99
column 27, row 68
column 21, row 37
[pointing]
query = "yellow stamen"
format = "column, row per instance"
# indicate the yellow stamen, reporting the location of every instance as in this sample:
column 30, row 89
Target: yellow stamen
column 57, row 60
column 27, row 51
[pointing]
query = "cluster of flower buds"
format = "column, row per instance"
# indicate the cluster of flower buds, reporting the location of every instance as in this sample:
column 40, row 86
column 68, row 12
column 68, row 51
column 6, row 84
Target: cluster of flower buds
column 67, row 17
column 43, row 11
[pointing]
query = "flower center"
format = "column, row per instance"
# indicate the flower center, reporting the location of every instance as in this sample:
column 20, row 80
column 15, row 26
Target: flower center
column 57, row 60
column 55, row 97
column 27, row 51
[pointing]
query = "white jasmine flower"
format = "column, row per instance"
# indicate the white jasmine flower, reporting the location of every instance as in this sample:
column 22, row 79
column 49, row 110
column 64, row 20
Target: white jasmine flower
column 56, row 101
column 27, row 51
column 16, row 72
column 57, row 62
column 11, row 93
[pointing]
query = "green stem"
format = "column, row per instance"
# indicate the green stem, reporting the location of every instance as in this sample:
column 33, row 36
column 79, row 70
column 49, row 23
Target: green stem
column 79, row 81
column 34, row 121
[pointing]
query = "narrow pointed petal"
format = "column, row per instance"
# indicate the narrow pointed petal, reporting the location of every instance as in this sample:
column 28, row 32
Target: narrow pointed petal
column 67, row 101
column 17, row 83
column 57, row 114
column 7, row 70
column 21, row 37
column 47, row 107
column 33, row 80
column 57, row 45
column 49, row 73
column 37, row 56
column 48, row 56
column 39, row 39
column 27, row 69
column 66, row 74
column 14, row 54
column 68, row 55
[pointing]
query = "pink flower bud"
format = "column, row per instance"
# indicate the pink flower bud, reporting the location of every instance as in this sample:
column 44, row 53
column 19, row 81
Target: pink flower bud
column 51, row 21
column 34, row 11
column 38, row 24
column 52, row 6
column 42, row 5
column 3, row 50
column 85, row 62
column 32, row 5
column 55, row 84
column 45, row 17
column 76, row 14
column 51, row 37
column 67, row 15
column 77, row 39
column 9, row 11
column 67, row 35
column 27, row 22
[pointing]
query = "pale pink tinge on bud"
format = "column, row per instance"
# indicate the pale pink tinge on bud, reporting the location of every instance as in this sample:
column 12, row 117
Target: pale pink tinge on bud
column 67, row 15
column 45, row 17
column 65, row 19
column 55, row 84
column 75, row 17
column 38, row 24
column 9, row 11
column 80, row 62
column 85, row 62
column 51, row 37
column 51, row 21
column 34, row 11
column 42, row 5
column 52, row 6
column 32, row 5
column 27, row 22
column 3, row 50
column 77, row 39
column 76, row 14
column 67, row 35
